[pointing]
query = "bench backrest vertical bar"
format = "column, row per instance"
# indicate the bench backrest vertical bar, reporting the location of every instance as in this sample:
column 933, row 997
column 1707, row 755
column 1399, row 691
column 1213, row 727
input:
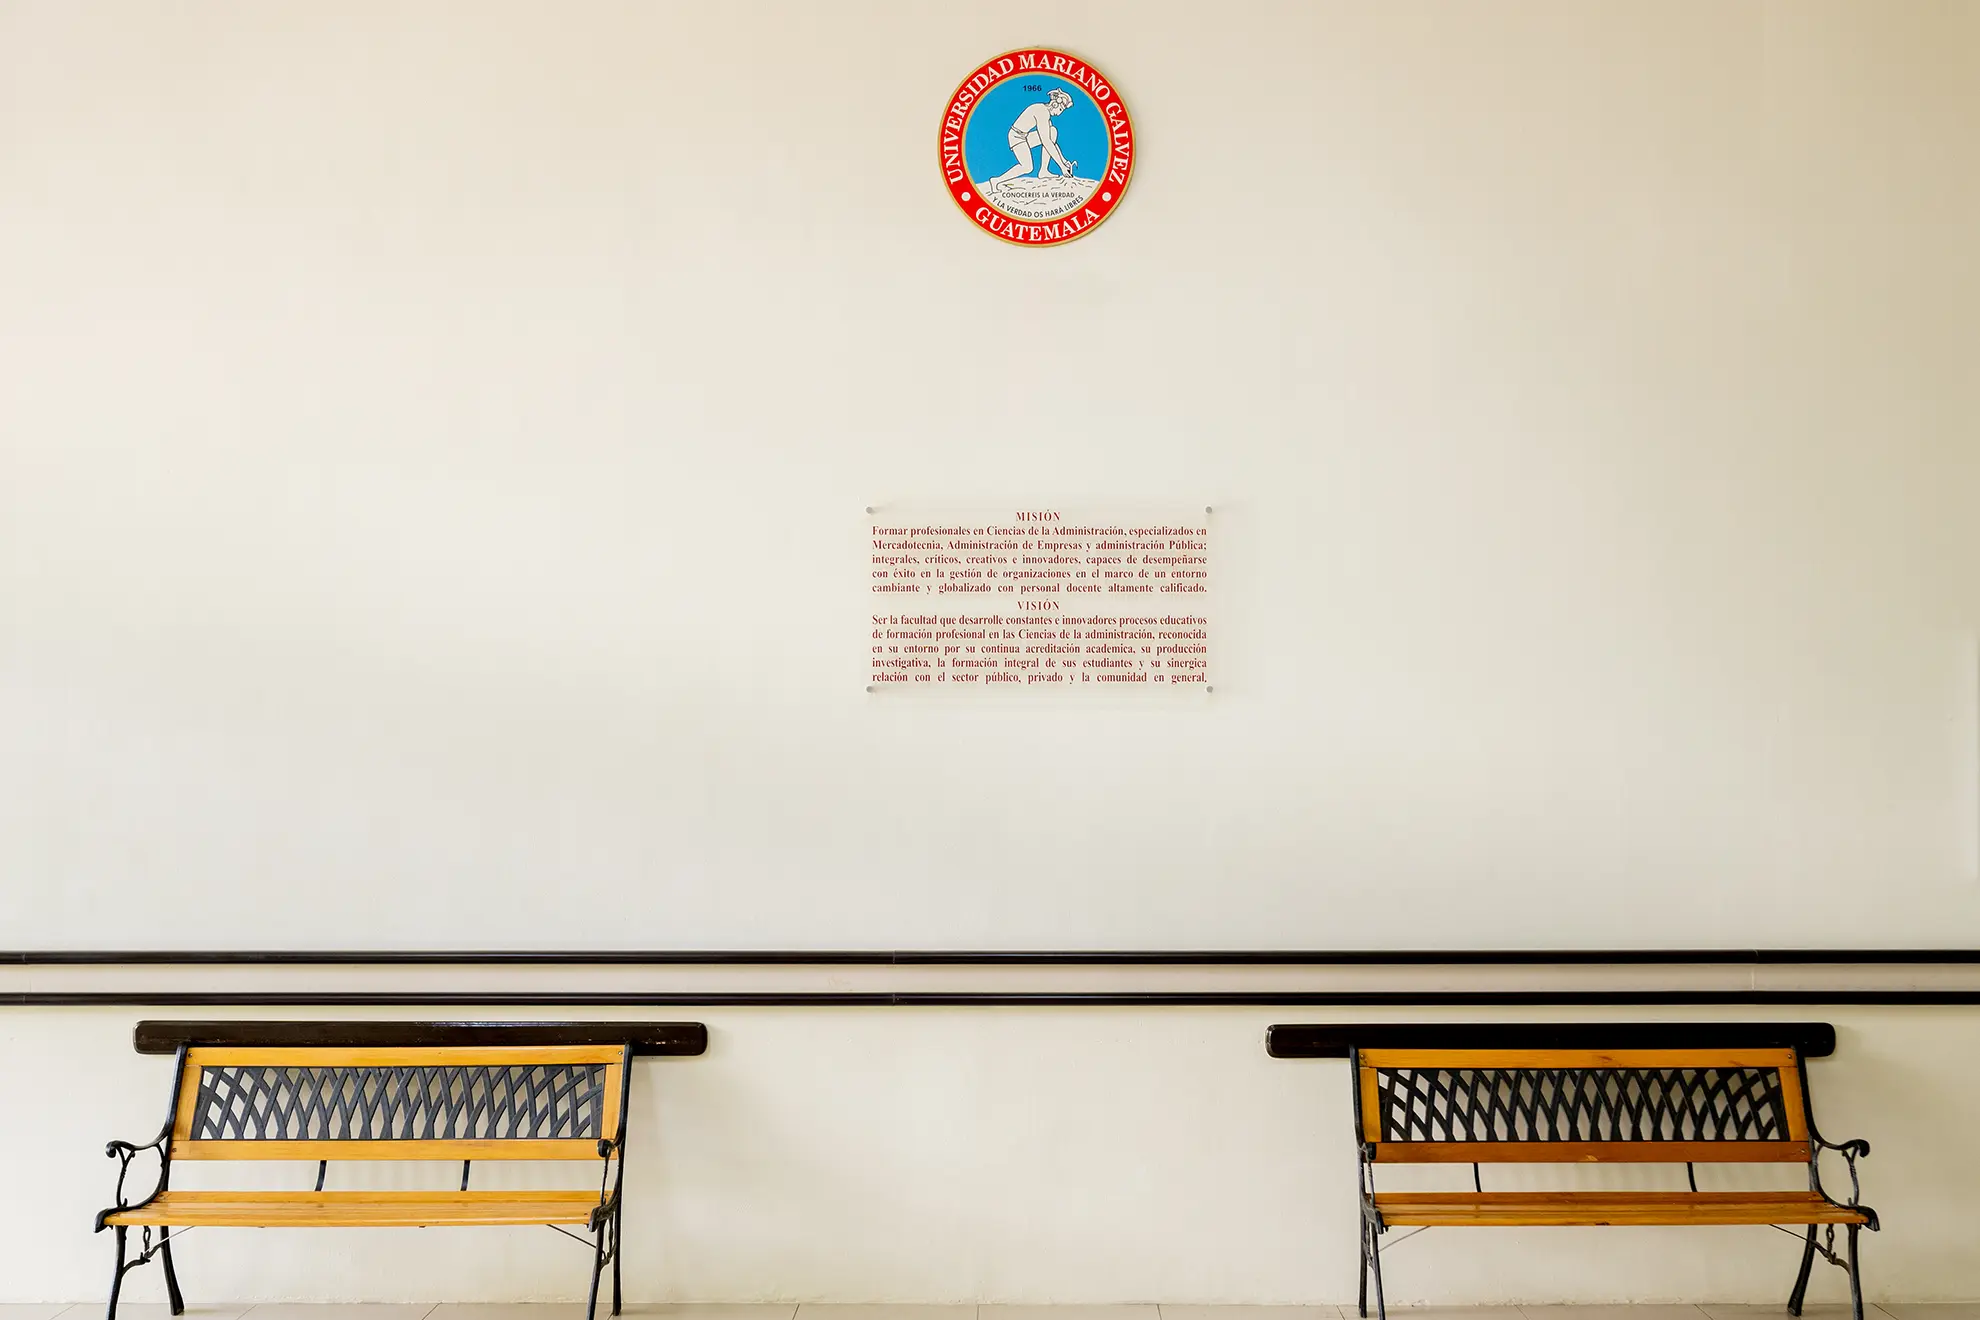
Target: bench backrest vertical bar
column 1794, row 1090
column 179, row 1068
column 625, row 1099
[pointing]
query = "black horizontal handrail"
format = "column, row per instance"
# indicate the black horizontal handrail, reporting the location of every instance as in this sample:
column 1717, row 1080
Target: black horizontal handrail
column 988, row 958
column 976, row 999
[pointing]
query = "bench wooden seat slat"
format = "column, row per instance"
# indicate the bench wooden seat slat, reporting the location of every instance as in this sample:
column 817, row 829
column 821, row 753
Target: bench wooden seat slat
column 429, row 1209
column 1590, row 1152
column 1530, row 1209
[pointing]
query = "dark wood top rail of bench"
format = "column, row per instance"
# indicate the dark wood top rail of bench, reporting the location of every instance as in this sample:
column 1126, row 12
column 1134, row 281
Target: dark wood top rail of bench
column 1815, row 1040
column 646, row 1038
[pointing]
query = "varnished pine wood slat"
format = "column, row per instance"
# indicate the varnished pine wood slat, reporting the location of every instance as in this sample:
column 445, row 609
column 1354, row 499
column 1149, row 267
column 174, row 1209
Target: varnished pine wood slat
column 1565, row 1209
column 358, row 1196
column 467, row 1149
column 608, row 1118
column 182, row 1114
column 1591, row 1152
column 401, row 1056
column 1617, row 1217
column 1794, row 1101
column 1712, row 1058
column 1371, row 1106
column 361, row 1210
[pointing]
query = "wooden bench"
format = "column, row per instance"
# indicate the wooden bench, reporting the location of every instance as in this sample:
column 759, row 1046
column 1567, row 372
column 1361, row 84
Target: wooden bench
column 1688, row 1106
column 324, row 1103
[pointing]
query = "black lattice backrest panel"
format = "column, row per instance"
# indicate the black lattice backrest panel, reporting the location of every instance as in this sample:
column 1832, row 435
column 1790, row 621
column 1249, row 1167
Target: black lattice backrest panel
column 553, row 1102
column 1528, row 1105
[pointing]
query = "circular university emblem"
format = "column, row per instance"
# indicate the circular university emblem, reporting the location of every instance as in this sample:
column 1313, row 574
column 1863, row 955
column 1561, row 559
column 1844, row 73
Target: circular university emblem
column 1037, row 147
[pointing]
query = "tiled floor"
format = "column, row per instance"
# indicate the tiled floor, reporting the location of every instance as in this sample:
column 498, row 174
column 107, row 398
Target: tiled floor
column 1148, row 1311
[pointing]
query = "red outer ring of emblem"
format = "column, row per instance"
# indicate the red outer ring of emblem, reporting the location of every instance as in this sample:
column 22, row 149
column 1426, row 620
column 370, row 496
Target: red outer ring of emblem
column 955, row 123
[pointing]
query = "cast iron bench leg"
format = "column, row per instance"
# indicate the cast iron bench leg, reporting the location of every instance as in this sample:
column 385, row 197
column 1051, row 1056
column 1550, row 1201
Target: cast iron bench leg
column 1855, row 1282
column 1375, row 1261
column 117, row 1273
column 618, row 1249
column 597, row 1271
column 171, row 1275
column 1801, row 1279
column 1362, row 1296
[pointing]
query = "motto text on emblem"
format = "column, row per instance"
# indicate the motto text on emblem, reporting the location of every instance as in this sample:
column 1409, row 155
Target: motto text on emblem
column 1037, row 147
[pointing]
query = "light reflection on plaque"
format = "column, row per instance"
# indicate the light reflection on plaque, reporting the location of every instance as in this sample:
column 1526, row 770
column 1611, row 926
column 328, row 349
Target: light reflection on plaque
column 1040, row 599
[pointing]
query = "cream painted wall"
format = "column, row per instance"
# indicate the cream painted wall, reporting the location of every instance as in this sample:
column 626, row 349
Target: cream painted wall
column 1055, row 1155
column 434, row 441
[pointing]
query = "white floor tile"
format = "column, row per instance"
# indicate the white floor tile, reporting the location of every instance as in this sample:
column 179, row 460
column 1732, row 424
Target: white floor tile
column 515, row 1310
column 1619, row 1312
column 1932, row 1310
column 1826, row 1311
column 858, row 1311
column 710, row 1310
column 1445, row 1312
column 1148, row 1311
column 1171, row 1312
column 160, row 1311
column 33, row 1310
column 335, row 1311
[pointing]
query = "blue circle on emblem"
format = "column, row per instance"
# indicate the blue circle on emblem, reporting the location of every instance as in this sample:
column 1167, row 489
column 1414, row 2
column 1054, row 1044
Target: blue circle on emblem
column 1036, row 146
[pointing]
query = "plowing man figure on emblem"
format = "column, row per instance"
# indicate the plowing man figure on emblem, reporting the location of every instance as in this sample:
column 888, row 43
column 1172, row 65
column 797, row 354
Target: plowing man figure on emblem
column 1033, row 128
